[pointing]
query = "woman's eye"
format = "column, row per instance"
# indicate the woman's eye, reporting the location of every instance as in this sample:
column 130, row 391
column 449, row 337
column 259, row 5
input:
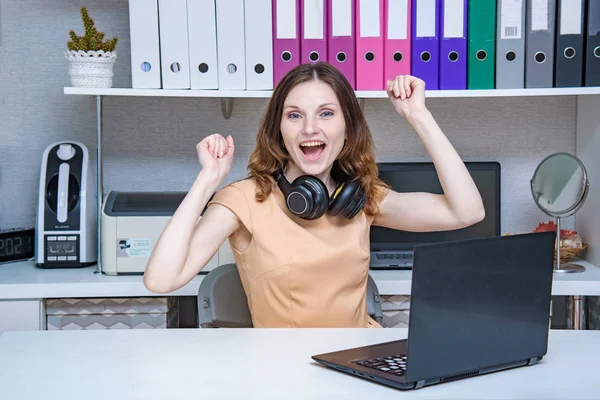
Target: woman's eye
column 293, row 115
column 327, row 113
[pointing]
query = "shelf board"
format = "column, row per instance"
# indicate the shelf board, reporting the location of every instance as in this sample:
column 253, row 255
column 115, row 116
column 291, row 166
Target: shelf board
column 375, row 94
column 168, row 92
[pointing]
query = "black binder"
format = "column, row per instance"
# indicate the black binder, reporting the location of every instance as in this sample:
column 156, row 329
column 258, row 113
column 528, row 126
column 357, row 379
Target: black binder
column 569, row 59
column 592, row 56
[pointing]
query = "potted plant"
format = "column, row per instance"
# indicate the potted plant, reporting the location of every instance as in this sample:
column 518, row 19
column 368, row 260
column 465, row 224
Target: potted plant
column 91, row 57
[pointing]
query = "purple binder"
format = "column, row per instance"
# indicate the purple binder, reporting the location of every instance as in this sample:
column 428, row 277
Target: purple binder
column 425, row 47
column 453, row 51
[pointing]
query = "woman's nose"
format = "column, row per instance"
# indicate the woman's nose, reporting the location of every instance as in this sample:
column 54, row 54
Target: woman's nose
column 311, row 125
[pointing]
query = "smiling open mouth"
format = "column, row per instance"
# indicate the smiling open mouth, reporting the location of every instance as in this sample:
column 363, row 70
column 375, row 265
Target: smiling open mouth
column 312, row 149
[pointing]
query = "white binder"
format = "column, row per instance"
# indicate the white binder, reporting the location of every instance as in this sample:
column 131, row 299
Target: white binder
column 258, row 22
column 145, row 52
column 202, row 37
column 231, row 54
column 174, row 56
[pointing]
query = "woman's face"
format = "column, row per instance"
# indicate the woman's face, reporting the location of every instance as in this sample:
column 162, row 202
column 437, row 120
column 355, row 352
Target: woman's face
column 313, row 127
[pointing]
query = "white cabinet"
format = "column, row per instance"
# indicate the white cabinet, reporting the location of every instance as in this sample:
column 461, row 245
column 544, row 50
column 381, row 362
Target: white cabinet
column 21, row 315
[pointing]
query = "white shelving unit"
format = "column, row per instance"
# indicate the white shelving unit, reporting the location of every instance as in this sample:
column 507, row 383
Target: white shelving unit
column 587, row 139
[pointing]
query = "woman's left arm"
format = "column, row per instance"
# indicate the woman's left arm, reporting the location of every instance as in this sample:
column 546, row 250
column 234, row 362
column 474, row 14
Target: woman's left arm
column 461, row 203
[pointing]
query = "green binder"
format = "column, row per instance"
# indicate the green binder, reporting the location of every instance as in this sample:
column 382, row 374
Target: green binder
column 482, row 44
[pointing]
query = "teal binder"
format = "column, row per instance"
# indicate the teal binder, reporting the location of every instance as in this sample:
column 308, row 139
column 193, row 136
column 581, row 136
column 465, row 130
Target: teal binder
column 482, row 44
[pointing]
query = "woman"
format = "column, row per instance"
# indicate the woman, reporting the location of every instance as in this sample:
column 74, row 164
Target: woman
column 303, row 253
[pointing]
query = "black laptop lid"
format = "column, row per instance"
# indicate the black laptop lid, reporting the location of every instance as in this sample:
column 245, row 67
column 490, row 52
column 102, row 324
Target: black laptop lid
column 479, row 303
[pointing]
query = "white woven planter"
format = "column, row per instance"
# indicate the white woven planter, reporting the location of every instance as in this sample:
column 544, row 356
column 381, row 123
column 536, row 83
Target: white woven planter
column 91, row 68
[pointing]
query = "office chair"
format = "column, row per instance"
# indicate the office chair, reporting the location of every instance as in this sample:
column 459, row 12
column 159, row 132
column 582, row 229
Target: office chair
column 222, row 302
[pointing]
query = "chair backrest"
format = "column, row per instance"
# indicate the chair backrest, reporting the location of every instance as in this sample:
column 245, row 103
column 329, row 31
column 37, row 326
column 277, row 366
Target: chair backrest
column 222, row 302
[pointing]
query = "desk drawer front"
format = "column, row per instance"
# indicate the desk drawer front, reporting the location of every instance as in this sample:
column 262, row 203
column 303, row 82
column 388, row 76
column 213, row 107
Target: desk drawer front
column 109, row 313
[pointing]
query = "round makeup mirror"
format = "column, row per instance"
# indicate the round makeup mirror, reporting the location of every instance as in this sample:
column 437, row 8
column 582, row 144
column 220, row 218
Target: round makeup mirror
column 559, row 187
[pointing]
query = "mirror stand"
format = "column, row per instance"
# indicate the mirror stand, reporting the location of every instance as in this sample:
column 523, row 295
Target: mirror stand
column 568, row 267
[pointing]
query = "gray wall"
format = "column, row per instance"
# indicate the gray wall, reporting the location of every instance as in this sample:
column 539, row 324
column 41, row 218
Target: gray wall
column 149, row 143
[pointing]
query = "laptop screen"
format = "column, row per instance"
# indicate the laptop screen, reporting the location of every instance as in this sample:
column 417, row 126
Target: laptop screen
column 422, row 177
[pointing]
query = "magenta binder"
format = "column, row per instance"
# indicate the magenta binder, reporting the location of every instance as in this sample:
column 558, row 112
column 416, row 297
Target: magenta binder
column 396, row 48
column 425, row 45
column 341, row 36
column 369, row 48
column 313, row 48
column 453, row 50
column 286, row 44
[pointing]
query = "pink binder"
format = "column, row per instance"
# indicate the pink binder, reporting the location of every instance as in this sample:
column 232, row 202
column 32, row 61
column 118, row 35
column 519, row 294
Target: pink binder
column 369, row 45
column 341, row 38
column 313, row 16
column 286, row 37
column 397, row 38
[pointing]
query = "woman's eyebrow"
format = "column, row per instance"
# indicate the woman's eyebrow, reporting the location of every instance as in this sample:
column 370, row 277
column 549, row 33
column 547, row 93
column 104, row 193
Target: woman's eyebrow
column 297, row 108
column 327, row 104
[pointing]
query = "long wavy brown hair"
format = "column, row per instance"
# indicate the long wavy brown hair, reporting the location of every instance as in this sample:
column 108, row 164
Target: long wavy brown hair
column 357, row 158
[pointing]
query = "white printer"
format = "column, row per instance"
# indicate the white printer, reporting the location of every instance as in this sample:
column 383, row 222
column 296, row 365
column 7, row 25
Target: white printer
column 132, row 222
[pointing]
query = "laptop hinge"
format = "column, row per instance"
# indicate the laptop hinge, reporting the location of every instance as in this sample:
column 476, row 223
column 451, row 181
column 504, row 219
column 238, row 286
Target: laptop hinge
column 420, row 384
column 533, row 360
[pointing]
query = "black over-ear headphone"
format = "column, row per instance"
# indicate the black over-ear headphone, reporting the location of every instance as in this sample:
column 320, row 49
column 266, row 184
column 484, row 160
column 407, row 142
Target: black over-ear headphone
column 308, row 197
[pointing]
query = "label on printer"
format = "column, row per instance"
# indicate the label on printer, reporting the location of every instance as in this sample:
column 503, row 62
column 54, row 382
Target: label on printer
column 134, row 247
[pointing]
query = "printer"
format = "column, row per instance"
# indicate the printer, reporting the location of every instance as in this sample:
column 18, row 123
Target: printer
column 132, row 222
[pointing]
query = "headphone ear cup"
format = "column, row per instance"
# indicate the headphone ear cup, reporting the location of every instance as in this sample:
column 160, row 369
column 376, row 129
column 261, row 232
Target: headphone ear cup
column 358, row 202
column 297, row 198
column 347, row 200
column 320, row 195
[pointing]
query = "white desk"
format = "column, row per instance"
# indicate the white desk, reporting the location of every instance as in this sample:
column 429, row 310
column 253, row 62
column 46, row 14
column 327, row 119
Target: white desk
column 258, row 364
column 26, row 285
column 23, row 280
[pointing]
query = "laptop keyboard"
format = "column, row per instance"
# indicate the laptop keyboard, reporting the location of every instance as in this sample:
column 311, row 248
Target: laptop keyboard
column 395, row 365
column 394, row 256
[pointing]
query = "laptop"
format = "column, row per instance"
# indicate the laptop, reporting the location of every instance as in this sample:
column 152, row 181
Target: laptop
column 393, row 249
column 477, row 306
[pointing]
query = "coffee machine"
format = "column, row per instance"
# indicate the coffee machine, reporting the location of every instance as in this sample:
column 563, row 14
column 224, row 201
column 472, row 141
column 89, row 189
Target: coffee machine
column 66, row 216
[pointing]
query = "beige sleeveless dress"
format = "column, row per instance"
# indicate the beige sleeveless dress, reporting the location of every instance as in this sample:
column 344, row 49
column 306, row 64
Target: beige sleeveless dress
column 296, row 272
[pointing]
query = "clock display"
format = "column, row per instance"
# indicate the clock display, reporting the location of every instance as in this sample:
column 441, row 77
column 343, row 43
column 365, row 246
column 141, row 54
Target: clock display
column 62, row 248
column 16, row 244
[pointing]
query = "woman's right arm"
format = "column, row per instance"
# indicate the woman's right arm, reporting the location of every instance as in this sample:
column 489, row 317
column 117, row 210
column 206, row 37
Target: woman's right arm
column 188, row 242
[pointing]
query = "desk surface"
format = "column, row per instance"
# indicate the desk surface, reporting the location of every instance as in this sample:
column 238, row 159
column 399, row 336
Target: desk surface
column 258, row 363
column 23, row 280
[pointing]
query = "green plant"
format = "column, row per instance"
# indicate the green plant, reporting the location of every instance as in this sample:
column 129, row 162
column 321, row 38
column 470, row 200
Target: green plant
column 92, row 39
